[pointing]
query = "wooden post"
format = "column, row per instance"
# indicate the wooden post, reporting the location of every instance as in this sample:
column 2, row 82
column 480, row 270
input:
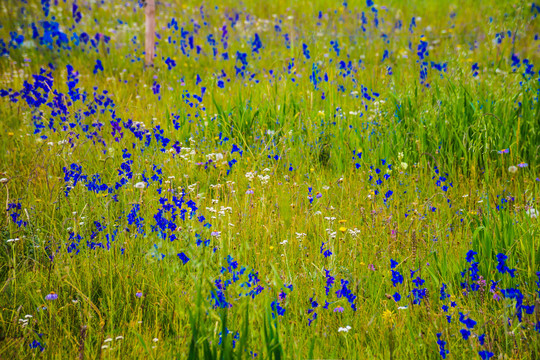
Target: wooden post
column 150, row 33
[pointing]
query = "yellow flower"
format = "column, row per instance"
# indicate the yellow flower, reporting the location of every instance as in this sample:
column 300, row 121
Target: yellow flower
column 10, row 134
column 342, row 221
column 343, row 229
column 388, row 316
column 271, row 248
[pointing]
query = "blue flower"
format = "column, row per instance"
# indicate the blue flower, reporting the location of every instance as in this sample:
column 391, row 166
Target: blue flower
column 183, row 257
column 397, row 278
column 98, row 66
column 470, row 256
column 442, row 344
column 485, row 355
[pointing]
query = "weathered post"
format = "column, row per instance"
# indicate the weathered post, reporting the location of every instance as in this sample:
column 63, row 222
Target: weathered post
column 150, row 32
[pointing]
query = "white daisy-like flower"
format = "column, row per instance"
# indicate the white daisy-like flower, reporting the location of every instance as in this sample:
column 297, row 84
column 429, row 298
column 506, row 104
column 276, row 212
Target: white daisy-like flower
column 512, row 169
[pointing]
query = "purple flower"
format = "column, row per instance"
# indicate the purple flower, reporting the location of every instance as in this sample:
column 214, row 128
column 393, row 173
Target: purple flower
column 339, row 309
column 139, row 294
column 51, row 296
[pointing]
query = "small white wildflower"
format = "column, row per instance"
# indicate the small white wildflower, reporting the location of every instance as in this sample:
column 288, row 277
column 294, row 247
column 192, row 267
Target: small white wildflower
column 107, row 340
column 344, row 329
column 512, row 169
column 119, row 337
column 4, row 180
column 533, row 214
column 404, row 165
column 283, row 242
column 155, row 340
column 140, row 185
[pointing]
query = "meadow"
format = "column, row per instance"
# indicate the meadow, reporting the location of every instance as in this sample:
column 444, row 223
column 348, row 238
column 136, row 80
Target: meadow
column 290, row 180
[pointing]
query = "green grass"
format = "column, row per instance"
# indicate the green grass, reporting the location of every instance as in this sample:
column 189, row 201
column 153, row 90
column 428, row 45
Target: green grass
column 454, row 128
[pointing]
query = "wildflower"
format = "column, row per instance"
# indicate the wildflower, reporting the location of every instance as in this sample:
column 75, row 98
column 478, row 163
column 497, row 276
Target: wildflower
column 339, row 309
column 139, row 294
column 343, row 229
column 404, row 165
column 485, row 355
column 51, row 296
column 388, row 316
column 183, row 257
column 344, row 329
column 140, row 185
column 523, row 165
column 532, row 213
column 442, row 350
column 371, row 267
column 4, row 180
column 504, row 151
column 397, row 297
column 470, row 256
column 465, row 333
column 512, row 169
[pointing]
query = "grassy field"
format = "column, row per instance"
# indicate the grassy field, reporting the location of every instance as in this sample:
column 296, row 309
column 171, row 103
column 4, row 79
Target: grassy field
column 291, row 180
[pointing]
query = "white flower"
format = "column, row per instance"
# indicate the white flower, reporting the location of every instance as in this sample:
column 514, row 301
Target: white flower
column 107, row 340
column 404, row 165
column 533, row 214
column 119, row 337
column 140, row 185
column 344, row 329
column 4, row 180
column 512, row 169
column 283, row 242
column 155, row 340
column 400, row 156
